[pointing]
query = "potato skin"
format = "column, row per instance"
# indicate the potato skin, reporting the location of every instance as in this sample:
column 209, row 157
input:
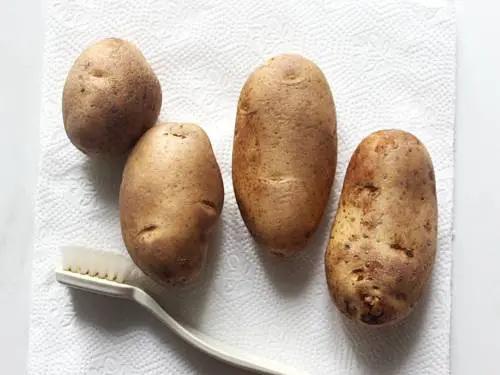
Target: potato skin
column 111, row 97
column 171, row 196
column 284, row 152
column 383, row 241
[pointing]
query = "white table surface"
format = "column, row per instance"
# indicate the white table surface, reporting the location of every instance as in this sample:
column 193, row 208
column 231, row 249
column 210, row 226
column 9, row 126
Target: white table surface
column 476, row 276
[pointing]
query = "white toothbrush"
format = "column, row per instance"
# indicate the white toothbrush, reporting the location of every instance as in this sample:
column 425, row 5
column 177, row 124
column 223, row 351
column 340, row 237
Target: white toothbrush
column 115, row 275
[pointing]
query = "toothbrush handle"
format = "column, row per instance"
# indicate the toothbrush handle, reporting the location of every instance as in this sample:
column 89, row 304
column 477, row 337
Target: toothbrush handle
column 210, row 346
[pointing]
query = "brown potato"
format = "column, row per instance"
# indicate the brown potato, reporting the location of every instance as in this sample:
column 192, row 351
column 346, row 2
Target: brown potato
column 110, row 98
column 383, row 242
column 170, row 199
column 284, row 152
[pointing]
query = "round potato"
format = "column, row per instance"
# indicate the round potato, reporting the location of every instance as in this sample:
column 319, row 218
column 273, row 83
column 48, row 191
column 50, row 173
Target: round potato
column 383, row 241
column 170, row 198
column 284, row 152
column 110, row 98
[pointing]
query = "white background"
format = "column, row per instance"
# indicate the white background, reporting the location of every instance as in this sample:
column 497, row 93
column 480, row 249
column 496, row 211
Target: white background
column 476, row 300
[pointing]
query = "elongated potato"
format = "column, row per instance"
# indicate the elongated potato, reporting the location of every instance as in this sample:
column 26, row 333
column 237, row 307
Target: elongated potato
column 170, row 198
column 284, row 152
column 383, row 242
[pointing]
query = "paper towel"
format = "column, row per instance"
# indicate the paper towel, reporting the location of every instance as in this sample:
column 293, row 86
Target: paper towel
column 390, row 64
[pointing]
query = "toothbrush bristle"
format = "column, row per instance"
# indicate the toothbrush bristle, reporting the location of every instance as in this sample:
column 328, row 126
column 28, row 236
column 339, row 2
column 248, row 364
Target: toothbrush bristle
column 106, row 265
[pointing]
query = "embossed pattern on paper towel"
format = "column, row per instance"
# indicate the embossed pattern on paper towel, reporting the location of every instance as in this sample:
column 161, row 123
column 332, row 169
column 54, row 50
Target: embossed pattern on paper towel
column 389, row 63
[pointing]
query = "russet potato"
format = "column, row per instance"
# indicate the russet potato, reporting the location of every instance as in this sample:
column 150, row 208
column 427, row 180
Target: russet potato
column 284, row 152
column 383, row 241
column 171, row 196
column 111, row 97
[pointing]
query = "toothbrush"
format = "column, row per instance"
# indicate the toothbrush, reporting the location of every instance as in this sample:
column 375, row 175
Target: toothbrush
column 117, row 276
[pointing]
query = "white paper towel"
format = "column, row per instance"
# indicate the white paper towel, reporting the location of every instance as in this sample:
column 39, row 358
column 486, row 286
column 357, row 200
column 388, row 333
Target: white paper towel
column 390, row 64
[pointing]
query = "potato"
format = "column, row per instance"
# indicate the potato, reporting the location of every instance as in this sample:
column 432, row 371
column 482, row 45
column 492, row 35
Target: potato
column 383, row 242
column 110, row 98
column 171, row 196
column 284, row 152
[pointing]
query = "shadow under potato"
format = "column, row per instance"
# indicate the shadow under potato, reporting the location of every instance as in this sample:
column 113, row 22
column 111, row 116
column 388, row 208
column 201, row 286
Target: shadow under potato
column 106, row 176
column 119, row 316
column 383, row 351
column 187, row 303
column 292, row 275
